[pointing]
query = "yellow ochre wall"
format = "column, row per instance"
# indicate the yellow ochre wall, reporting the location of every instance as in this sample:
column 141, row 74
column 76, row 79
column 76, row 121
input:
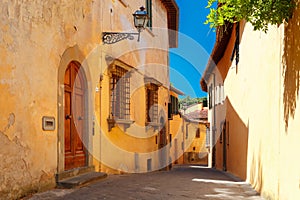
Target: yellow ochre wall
column 182, row 146
column 121, row 150
column 31, row 47
column 185, row 148
column 236, row 130
column 263, row 93
column 39, row 39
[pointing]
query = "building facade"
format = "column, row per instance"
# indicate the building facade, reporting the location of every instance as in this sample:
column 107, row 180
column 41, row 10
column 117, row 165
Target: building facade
column 69, row 101
column 260, row 76
column 187, row 134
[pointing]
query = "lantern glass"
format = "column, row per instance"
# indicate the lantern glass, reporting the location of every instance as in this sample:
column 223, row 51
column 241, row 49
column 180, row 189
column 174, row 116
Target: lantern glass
column 140, row 19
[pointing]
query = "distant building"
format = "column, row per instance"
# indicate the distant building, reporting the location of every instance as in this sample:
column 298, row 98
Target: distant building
column 188, row 133
column 197, row 115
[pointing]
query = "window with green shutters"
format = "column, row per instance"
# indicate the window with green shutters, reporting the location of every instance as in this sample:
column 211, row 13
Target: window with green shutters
column 149, row 11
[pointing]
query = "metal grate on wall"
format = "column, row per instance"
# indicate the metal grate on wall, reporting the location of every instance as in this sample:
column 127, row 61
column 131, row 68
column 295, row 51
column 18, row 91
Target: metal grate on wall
column 120, row 93
column 152, row 103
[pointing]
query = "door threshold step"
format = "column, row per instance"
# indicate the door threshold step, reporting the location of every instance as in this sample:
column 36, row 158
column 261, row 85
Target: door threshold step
column 74, row 172
column 81, row 180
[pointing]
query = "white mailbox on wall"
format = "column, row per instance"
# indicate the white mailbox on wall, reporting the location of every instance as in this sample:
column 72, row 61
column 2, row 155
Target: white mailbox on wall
column 48, row 123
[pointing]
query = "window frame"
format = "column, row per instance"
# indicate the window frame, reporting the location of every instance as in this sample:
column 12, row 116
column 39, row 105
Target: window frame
column 210, row 96
column 148, row 4
column 119, row 88
column 152, row 101
column 198, row 134
column 173, row 106
column 236, row 49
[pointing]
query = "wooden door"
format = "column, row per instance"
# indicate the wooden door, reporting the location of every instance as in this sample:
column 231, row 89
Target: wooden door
column 75, row 153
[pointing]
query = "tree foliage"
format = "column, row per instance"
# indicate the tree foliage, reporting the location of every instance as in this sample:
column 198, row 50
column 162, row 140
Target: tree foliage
column 259, row 13
column 187, row 101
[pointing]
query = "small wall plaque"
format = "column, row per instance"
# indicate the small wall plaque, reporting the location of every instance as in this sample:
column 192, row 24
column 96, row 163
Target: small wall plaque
column 48, row 123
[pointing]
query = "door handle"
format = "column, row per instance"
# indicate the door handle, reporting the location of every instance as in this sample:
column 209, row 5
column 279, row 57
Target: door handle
column 68, row 116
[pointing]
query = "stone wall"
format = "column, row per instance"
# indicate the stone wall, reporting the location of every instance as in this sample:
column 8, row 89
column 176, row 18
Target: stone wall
column 33, row 36
column 35, row 40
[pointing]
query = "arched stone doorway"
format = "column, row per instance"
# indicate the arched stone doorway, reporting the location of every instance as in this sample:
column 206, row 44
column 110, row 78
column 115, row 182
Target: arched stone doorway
column 71, row 155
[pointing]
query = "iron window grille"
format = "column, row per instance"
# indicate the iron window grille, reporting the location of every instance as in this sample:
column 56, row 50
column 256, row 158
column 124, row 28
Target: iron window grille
column 152, row 103
column 120, row 93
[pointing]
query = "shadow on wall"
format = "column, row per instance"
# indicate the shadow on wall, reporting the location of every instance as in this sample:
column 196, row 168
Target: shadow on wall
column 256, row 176
column 291, row 63
column 236, row 142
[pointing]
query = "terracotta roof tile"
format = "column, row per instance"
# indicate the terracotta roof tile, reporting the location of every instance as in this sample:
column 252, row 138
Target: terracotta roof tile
column 198, row 114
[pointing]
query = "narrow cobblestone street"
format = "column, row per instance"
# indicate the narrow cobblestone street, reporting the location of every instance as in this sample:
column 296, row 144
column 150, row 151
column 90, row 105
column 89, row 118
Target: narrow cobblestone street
column 182, row 182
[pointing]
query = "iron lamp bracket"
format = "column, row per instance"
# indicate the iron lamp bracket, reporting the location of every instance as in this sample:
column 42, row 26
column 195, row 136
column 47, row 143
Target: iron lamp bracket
column 114, row 37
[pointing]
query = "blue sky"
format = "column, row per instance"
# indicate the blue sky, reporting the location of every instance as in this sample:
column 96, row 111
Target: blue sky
column 196, row 40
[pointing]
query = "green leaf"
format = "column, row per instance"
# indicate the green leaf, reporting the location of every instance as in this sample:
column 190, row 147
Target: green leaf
column 259, row 13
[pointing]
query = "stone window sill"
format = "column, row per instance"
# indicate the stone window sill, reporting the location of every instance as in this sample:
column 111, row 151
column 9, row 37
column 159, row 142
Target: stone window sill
column 125, row 123
column 155, row 125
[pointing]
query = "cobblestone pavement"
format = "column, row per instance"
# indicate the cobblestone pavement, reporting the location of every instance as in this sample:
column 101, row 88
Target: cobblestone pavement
column 181, row 183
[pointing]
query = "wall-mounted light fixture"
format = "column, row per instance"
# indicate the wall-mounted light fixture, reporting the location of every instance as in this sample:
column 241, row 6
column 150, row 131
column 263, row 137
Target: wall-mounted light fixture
column 140, row 18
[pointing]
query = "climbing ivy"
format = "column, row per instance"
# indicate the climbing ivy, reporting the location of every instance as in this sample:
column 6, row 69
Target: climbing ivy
column 259, row 13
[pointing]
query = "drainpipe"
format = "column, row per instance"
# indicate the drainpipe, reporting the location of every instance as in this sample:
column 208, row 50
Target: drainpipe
column 100, row 129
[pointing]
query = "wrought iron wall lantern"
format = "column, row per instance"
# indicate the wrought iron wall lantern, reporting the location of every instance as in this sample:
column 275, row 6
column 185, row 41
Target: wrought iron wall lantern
column 140, row 18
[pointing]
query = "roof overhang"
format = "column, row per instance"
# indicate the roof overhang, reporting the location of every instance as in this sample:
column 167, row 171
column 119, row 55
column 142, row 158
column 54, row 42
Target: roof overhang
column 222, row 40
column 150, row 80
column 177, row 91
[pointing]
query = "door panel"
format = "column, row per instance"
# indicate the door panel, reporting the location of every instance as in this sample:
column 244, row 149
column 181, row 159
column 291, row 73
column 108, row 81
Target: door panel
column 75, row 153
column 67, row 122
